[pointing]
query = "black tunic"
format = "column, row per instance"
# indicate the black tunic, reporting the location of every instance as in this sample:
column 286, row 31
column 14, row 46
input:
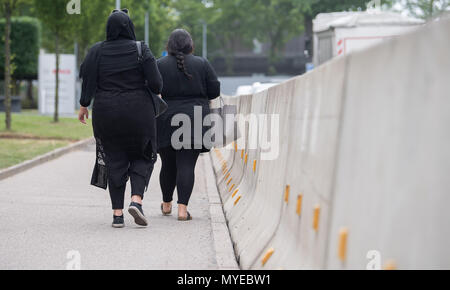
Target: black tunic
column 183, row 94
column 123, row 113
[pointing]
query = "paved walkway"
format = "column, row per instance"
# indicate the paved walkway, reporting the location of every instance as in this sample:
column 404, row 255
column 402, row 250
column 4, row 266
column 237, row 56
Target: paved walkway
column 49, row 216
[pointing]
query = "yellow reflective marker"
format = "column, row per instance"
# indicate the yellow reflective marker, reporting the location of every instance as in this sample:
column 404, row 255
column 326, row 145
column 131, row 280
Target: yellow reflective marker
column 342, row 248
column 299, row 204
column 316, row 217
column 267, row 256
column 231, row 188
column 237, row 200
column 246, row 158
column 235, row 192
column 254, row 165
column 242, row 154
column 286, row 193
column 235, row 147
column 229, row 181
column 228, row 175
column 390, row 265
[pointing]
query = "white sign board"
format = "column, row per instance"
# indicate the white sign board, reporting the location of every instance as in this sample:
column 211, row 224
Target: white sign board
column 47, row 84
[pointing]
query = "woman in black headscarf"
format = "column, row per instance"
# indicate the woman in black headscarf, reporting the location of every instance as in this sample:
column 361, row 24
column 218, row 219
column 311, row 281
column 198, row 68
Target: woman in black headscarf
column 190, row 82
column 123, row 114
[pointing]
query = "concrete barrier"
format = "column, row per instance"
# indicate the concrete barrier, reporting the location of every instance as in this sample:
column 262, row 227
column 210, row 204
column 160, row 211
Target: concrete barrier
column 361, row 180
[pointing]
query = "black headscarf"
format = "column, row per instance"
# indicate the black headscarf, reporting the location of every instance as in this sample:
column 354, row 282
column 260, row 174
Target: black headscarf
column 119, row 27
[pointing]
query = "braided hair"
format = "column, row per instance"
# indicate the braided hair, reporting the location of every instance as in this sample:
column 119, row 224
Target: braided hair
column 180, row 44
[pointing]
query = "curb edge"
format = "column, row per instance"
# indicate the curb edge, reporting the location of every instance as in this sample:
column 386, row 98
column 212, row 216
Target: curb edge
column 19, row 168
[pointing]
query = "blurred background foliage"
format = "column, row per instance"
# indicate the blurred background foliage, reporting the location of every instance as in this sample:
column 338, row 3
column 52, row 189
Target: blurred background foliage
column 25, row 35
column 231, row 23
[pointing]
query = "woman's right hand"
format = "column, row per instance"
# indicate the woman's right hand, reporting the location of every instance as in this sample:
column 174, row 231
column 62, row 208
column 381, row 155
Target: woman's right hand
column 83, row 115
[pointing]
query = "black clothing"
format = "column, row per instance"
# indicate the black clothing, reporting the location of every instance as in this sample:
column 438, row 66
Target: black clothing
column 123, row 113
column 204, row 84
column 113, row 66
column 121, row 167
column 182, row 94
column 178, row 170
column 119, row 25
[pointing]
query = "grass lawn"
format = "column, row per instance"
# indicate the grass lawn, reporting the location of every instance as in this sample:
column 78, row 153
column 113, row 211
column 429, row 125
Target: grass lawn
column 33, row 135
column 15, row 151
column 43, row 126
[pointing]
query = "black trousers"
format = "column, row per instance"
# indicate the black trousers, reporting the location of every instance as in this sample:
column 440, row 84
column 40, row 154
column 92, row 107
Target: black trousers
column 139, row 172
column 178, row 170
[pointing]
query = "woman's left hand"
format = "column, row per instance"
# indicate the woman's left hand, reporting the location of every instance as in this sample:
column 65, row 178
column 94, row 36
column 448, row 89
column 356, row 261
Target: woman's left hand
column 83, row 115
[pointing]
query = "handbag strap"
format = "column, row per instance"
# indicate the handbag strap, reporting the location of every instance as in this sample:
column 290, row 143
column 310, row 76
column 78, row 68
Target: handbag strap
column 139, row 50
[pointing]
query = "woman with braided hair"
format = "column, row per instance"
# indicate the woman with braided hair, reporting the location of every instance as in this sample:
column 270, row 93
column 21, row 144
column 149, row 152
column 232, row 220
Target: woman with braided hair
column 190, row 83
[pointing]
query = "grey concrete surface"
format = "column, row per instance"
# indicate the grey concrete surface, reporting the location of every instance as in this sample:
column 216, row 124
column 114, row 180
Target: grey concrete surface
column 50, row 211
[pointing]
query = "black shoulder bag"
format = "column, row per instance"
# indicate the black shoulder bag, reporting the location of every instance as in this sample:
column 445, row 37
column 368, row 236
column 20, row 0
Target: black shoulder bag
column 158, row 103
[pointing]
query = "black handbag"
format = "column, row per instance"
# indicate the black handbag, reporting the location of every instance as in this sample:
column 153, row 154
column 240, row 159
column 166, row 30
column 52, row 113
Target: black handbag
column 229, row 131
column 158, row 103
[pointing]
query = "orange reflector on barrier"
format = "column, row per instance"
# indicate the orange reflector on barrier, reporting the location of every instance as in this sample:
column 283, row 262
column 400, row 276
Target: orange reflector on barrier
column 286, row 193
column 254, row 165
column 229, row 181
column 342, row 248
column 235, row 147
column 242, row 154
column 390, row 265
column 235, row 192
column 231, row 188
column 237, row 200
column 246, row 158
column 316, row 217
column 228, row 175
column 299, row 204
column 267, row 256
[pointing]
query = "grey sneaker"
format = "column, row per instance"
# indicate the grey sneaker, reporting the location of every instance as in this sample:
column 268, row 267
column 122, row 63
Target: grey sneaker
column 118, row 222
column 137, row 213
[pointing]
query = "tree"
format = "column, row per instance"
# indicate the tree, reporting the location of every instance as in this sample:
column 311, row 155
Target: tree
column 8, row 7
column 426, row 9
column 189, row 15
column 232, row 27
column 161, row 21
column 55, row 18
column 89, row 26
column 278, row 21
column 25, row 41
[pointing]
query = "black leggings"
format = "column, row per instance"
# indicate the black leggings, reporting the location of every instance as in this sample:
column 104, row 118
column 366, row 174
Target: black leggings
column 178, row 170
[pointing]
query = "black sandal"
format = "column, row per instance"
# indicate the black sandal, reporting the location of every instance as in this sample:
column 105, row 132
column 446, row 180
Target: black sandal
column 165, row 213
column 188, row 218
